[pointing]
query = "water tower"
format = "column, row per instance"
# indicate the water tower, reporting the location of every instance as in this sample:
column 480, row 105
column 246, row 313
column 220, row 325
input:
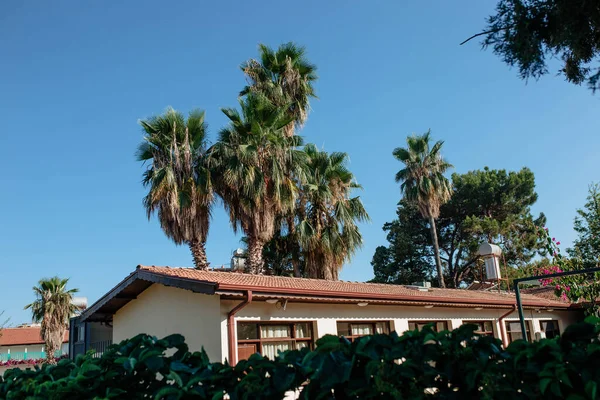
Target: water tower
column 491, row 257
column 238, row 260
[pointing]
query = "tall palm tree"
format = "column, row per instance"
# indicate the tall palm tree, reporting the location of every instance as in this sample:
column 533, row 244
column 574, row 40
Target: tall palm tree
column 424, row 183
column 254, row 166
column 178, row 179
column 53, row 307
column 328, row 216
column 286, row 78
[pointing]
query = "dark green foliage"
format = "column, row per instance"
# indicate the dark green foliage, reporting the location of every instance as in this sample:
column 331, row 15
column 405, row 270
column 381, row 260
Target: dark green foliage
column 526, row 33
column 407, row 259
column 486, row 206
column 416, row 365
column 587, row 225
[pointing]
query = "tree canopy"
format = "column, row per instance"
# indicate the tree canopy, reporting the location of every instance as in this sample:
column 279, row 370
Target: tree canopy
column 486, row 206
column 285, row 77
column 587, row 225
column 52, row 307
column 407, row 259
column 528, row 33
column 424, row 184
column 254, row 167
column 293, row 204
column 179, row 187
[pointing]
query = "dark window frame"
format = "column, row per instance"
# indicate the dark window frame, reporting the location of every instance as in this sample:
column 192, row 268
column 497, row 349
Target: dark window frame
column 481, row 331
column 420, row 324
column 372, row 323
column 555, row 332
column 293, row 333
column 509, row 333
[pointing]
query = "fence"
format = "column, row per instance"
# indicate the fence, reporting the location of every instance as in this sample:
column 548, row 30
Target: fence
column 100, row 347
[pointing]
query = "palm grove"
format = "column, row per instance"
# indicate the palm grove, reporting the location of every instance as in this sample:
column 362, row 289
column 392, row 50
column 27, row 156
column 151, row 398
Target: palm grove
column 293, row 202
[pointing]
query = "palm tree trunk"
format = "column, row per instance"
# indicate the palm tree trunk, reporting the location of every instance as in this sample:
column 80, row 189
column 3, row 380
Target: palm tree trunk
column 330, row 273
column 197, row 247
column 294, row 247
column 436, row 251
column 296, row 265
column 52, row 346
column 256, row 263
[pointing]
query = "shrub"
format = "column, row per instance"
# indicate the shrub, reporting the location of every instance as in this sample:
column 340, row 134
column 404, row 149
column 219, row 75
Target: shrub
column 416, row 365
column 29, row 361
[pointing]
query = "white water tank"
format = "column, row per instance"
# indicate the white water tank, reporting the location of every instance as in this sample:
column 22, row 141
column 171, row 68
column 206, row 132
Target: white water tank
column 238, row 260
column 80, row 302
column 491, row 257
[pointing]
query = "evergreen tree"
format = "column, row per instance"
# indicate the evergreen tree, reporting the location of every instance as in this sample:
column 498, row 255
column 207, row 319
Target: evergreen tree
column 587, row 224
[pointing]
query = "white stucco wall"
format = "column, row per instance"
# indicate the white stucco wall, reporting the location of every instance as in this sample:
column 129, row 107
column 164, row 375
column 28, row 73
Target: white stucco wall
column 202, row 319
column 162, row 310
column 325, row 316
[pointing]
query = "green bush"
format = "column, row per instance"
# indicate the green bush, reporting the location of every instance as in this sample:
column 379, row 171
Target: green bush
column 416, row 365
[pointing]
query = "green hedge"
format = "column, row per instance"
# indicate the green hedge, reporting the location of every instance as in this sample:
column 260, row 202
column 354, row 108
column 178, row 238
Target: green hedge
column 426, row 364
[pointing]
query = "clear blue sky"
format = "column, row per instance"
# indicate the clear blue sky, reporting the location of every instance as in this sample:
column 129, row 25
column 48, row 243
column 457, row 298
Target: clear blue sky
column 75, row 77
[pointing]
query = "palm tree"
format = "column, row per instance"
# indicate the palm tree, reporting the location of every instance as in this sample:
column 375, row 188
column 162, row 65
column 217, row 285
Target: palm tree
column 424, row 183
column 53, row 307
column 328, row 216
column 254, row 167
column 179, row 182
column 285, row 77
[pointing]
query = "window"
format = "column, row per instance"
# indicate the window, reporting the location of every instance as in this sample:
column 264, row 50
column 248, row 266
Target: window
column 79, row 333
column 550, row 328
column 513, row 330
column 438, row 326
column 353, row 330
column 269, row 339
column 485, row 328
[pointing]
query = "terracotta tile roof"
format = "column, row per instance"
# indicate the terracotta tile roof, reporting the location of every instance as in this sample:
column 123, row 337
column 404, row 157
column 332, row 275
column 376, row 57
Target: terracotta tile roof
column 546, row 292
column 22, row 336
column 323, row 288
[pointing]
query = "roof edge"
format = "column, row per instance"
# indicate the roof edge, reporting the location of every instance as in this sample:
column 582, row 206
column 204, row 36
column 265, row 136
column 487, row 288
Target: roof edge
column 193, row 285
column 373, row 296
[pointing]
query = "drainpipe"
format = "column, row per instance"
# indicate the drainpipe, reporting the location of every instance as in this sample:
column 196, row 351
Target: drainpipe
column 503, row 328
column 231, row 327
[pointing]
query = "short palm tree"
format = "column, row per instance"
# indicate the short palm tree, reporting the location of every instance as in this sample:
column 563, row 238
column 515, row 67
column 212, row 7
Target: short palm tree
column 328, row 232
column 254, row 165
column 52, row 308
column 424, row 183
column 286, row 78
column 179, row 183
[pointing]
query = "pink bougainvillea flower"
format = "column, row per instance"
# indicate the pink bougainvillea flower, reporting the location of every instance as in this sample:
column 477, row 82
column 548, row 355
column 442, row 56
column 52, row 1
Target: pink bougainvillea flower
column 564, row 296
column 558, row 243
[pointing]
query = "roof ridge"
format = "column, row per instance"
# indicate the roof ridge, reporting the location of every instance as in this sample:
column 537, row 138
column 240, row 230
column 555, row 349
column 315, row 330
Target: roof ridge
column 275, row 276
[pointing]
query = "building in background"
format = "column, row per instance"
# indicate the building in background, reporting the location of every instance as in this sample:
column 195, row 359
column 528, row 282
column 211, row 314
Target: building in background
column 25, row 343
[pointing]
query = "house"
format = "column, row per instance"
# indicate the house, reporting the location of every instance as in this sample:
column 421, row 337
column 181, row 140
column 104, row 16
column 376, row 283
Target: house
column 233, row 315
column 26, row 343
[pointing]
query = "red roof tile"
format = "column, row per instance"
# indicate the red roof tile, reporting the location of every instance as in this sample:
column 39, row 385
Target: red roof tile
column 288, row 285
column 22, row 336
